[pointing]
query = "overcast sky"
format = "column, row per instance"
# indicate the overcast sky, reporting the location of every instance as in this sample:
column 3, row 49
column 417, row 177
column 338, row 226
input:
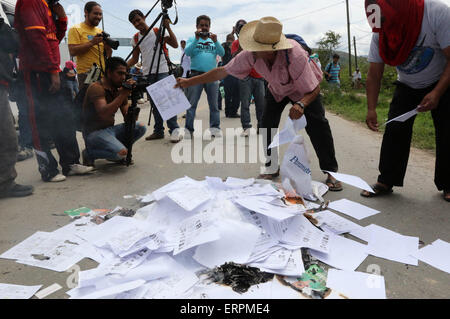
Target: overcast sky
column 308, row 18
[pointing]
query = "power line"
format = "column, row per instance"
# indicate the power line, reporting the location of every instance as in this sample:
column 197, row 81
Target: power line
column 314, row 11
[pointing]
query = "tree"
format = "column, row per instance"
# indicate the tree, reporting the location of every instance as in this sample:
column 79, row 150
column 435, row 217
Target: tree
column 327, row 45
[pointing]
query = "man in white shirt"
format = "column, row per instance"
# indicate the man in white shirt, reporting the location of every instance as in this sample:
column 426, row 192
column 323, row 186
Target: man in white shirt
column 357, row 79
column 146, row 48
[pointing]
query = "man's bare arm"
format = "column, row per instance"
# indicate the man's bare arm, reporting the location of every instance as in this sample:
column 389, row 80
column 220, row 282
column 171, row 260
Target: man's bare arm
column 373, row 86
column 135, row 58
column 208, row 77
column 105, row 110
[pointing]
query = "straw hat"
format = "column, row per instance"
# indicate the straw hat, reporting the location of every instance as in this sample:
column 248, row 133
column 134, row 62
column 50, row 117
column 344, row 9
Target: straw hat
column 263, row 35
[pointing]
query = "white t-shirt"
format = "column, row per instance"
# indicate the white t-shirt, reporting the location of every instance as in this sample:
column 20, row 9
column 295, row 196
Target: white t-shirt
column 185, row 63
column 427, row 61
column 356, row 76
column 147, row 52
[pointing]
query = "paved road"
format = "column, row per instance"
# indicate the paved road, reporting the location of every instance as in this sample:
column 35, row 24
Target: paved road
column 415, row 210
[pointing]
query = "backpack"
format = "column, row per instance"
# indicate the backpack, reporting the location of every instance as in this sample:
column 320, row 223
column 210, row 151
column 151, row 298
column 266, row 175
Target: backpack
column 300, row 41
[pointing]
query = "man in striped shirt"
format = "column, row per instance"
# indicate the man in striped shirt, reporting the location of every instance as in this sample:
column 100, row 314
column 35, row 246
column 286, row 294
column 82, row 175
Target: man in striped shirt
column 333, row 71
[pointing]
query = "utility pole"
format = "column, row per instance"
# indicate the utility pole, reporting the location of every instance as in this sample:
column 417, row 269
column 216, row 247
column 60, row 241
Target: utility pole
column 349, row 41
column 356, row 55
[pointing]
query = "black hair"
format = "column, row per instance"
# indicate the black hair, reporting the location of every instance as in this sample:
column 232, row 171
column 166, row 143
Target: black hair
column 203, row 17
column 239, row 24
column 336, row 56
column 90, row 5
column 113, row 63
column 231, row 35
column 135, row 13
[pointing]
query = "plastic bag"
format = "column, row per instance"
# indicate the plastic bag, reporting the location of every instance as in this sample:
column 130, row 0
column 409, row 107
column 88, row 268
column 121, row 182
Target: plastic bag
column 296, row 168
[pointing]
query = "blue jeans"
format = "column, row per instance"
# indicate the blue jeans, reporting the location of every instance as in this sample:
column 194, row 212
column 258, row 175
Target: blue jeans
column 232, row 99
column 193, row 95
column 73, row 87
column 107, row 143
column 248, row 87
column 172, row 123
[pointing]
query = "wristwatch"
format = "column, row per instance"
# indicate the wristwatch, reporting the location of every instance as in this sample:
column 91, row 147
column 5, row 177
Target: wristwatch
column 301, row 104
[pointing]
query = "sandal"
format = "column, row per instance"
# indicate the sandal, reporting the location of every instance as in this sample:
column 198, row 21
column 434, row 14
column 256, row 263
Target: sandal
column 379, row 191
column 334, row 186
column 447, row 195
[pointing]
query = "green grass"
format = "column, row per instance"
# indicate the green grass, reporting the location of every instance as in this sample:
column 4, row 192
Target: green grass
column 352, row 104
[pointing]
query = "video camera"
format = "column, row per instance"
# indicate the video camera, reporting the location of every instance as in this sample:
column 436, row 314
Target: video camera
column 114, row 44
column 204, row 34
column 167, row 4
column 142, row 82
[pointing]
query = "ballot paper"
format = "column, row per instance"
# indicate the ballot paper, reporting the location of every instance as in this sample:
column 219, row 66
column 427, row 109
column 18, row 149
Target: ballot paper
column 277, row 260
column 170, row 287
column 79, row 226
column 169, row 101
column 289, row 132
column 114, row 290
column 119, row 233
column 254, row 203
column 404, row 117
column 437, row 255
column 233, row 182
column 357, row 285
column 335, row 223
column 294, row 266
column 193, row 231
column 384, row 243
column 46, row 250
column 190, row 198
column 176, row 185
column 352, row 209
column 352, row 180
column 124, row 265
column 237, row 242
column 344, row 253
column 302, row 233
column 8, row 291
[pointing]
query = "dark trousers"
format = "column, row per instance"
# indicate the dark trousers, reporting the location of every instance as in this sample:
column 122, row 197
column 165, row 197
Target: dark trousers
column 51, row 119
column 318, row 129
column 232, row 96
column 397, row 137
column 17, row 94
column 8, row 142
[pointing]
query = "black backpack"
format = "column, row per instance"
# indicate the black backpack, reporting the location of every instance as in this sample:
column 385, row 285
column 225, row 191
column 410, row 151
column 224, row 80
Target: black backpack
column 9, row 40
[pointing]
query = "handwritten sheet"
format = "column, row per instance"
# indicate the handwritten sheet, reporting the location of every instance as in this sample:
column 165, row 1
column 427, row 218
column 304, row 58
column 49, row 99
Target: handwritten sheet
column 169, row 101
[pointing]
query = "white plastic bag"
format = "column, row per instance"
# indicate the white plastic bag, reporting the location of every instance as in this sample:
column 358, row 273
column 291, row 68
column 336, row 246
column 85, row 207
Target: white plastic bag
column 296, row 168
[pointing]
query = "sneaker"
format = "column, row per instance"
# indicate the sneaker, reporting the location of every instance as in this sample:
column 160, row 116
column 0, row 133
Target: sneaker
column 268, row 175
column 122, row 161
column 16, row 190
column 245, row 133
column 234, row 116
column 155, row 136
column 57, row 178
column 176, row 136
column 77, row 169
column 141, row 101
column 188, row 135
column 215, row 132
column 24, row 153
column 87, row 161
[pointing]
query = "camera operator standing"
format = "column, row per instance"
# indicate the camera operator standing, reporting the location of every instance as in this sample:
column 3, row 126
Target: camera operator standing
column 146, row 48
column 87, row 42
column 203, row 49
column 41, row 26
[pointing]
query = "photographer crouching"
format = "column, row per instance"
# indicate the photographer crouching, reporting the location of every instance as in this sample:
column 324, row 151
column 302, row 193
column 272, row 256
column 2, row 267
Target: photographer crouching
column 104, row 98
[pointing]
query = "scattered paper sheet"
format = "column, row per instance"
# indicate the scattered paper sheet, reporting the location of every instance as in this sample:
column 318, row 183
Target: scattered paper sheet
column 8, row 291
column 169, row 101
column 48, row 291
column 233, row 182
column 384, row 243
column 404, row 117
column 344, row 254
column 277, row 260
column 294, row 266
column 437, row 255
column 352, row 180
column 193, row 231
column 335, row 223
column 257, row 205
column 289, row 132
column 302, row 233
column 237, row 242
column 357, row 285
column 190, row 198
column 111, row 291
column 352, row 209
column 170, row 287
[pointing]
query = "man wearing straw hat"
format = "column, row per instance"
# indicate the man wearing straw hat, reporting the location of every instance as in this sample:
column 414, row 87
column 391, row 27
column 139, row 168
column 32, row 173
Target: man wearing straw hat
column 292, row 77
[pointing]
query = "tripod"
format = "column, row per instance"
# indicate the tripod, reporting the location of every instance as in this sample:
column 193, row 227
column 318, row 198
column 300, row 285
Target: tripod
column 130, row 123
column 159, row 41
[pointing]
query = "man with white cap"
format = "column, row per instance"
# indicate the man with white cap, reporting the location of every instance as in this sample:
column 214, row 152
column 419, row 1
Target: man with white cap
column 292, row 77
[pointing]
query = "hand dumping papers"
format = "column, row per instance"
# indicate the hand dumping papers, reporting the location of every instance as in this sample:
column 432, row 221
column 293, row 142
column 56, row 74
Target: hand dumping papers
column 192, row 227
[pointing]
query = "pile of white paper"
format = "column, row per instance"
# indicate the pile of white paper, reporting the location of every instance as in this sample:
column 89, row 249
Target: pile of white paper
column 191, row 226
